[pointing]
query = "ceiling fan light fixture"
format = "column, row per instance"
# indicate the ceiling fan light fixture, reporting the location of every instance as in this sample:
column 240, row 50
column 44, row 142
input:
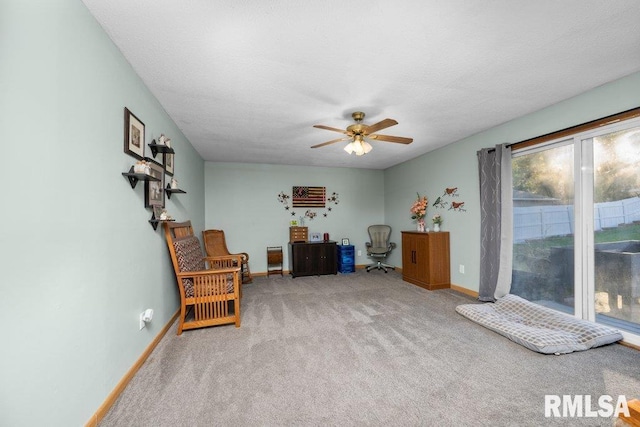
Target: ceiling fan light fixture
column 349, row 148
column 358, row 146
column 367, row 147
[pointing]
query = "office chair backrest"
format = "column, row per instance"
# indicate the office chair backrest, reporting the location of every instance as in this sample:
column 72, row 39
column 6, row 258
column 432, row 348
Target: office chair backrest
column 379, row 235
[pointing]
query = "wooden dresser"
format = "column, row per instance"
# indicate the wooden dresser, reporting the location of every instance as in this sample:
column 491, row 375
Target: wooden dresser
column 425, row 259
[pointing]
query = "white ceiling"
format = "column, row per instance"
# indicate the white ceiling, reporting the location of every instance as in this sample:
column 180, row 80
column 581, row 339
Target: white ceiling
column 246, row 80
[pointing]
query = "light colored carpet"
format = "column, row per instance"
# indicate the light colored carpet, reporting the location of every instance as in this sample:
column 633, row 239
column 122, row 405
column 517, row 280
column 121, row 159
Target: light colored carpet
column 360, row 349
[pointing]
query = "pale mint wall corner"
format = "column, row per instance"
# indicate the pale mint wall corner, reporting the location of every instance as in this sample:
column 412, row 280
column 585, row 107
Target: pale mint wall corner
column 242, row 200
column 430, row 175
column 456, row 166
column 79, row 259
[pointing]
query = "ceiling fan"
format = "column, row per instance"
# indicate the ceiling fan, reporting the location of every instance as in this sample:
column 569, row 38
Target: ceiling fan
column 359, row 133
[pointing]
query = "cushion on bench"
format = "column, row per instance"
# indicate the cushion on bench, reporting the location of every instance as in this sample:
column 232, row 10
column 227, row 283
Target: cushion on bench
column 189, row 256
column 539, row 328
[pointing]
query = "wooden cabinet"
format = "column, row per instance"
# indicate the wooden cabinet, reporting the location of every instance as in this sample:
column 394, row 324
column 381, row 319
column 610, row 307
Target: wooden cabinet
column 313, row 258
column 425, row 259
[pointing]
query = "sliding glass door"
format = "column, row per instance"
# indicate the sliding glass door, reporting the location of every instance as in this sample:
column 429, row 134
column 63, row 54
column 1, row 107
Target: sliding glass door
column 576, row 216
column 543, row 225
column 616, row 231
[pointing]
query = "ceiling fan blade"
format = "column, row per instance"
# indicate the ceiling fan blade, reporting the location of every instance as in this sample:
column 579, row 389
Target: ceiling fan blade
column 389, row 138
column 332, row 129
column 331, row 142
column 380, row 125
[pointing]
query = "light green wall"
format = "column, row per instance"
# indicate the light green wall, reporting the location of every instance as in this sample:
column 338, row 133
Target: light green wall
column 78, row 259
column 242, row 200
column 456, row 166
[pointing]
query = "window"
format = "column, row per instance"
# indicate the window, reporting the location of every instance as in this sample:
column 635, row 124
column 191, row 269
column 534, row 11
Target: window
column 576, row 216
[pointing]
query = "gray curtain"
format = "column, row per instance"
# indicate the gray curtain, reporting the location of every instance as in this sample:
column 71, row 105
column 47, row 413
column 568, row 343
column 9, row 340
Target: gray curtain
column 496, row 222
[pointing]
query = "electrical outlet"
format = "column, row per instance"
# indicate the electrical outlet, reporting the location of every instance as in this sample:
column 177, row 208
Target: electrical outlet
column 461, row 269
column 359, row 253
column 142, row 324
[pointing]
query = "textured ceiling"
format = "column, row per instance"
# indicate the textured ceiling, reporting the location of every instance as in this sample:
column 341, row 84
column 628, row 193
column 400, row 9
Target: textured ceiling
column 246, row 80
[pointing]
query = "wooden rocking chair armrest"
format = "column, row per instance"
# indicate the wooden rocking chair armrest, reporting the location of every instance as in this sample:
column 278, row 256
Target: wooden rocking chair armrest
column 223, row 257
column 242, row 254
column 222, row 261
column 187, row 274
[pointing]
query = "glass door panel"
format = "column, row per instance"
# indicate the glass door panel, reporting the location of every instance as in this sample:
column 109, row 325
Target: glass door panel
column 616, row 213
column 543, row 226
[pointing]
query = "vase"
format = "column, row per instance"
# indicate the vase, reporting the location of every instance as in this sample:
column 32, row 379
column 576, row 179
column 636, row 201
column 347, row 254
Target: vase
column 436, row 227
column 420, row 224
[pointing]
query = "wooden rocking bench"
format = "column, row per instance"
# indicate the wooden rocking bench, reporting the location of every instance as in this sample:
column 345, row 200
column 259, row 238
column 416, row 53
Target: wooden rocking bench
column 207, row 285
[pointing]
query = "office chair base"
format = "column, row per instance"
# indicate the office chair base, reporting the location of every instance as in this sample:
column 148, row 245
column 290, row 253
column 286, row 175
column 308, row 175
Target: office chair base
column 380, row 266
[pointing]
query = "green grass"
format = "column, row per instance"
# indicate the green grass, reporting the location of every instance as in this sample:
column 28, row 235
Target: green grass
column 623, row 232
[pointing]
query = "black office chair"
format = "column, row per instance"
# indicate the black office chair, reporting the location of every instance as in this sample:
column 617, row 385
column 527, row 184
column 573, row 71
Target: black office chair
column 379, row 247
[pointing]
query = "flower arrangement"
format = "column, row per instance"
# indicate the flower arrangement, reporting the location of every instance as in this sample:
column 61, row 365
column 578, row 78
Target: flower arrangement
column 437, row 219
column 419, row 208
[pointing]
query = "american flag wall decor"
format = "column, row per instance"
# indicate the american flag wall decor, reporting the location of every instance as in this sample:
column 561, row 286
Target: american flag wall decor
column 309, row 197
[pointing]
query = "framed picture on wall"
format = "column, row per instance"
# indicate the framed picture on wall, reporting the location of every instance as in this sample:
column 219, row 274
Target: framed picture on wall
column 133, row 135
column 154, row 190
column 168, row 163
